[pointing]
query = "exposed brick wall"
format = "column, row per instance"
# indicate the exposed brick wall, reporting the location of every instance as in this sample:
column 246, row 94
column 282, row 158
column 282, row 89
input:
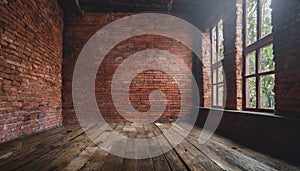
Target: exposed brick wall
column 286, row 35
column 202, row 71
column 30, row 67
column 232, row 63
column 78, row 30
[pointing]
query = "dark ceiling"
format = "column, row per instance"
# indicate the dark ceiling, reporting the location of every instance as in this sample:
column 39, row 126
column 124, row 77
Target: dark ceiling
column 137, row 5
column 202, row 10
column 91, row 6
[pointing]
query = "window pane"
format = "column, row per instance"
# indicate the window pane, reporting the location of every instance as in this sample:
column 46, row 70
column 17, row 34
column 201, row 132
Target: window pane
column 220, row 95
column 251, row 92
column 220, row 41
column 266, row 59
column 266, row 17
column 214, row 76
column 214, row 45
column 251, row 21
column 250, row 63
column 267, row 94
column 214, row 95
column 220, row 74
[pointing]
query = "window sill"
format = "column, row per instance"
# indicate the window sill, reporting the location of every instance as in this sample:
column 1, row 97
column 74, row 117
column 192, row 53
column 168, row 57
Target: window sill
column 250, row 113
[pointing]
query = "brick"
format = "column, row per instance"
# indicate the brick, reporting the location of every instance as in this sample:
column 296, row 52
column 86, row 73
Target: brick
column 286, row 53
column 77, row 32
column 17, row 77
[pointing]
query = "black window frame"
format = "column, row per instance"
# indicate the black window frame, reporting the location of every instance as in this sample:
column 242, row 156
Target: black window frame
column 261, row 42
column 215, row 66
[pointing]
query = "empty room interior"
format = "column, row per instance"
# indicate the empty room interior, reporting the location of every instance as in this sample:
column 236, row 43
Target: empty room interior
column 150, row 85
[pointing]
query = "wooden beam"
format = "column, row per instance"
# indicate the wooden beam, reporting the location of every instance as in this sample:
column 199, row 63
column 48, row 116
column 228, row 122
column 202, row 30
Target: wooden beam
column 170, row 5
column 78, row 7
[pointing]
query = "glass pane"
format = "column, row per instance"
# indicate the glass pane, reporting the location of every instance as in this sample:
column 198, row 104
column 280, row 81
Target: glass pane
column 266, row 17
column 220, row 41
column 214, row 45
column 251, row 92
column 220, row 95
column 214, row 76
column 250, row 63
column 214, row 95
column 267, row 59
column 251, row 21
column 220, row 74
column 267, row 94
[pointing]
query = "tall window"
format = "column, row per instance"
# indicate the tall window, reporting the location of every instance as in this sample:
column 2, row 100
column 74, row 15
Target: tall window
column 259, row 66
column 217, row 53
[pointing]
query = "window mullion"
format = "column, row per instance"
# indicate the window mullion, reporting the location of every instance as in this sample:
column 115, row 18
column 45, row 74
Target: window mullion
column 257, row 78
column 259, row 19
column 260, row 43
column 217, row 42
column 212, row 50
column 217, row 81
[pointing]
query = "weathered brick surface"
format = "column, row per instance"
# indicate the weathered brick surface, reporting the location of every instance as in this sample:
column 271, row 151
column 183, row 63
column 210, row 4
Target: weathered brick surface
column 202, row 71
column 233, row 63
column 78, row 30
column 30, row 67
column 286, row 34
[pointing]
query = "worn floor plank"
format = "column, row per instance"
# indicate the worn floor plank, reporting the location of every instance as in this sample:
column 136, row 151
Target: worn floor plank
column 58, row 156
column 130, row 164
column 232, row 156
column 76, row 163
column 271, row 161
column 210, row 153
column 96, row 161
column 112, row 162
column 143, row 164
column 69, row 148
column 159, row 161
column 33, row 143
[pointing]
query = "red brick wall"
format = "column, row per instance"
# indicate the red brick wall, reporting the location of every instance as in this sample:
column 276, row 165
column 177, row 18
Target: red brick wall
column 202, row 71
column 78, row 30
column 233, row 49
column 30, row 67
column 286, row 34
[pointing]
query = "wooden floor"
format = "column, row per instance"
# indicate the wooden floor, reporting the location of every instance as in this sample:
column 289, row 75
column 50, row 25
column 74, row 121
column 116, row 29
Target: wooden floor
column 68, row 148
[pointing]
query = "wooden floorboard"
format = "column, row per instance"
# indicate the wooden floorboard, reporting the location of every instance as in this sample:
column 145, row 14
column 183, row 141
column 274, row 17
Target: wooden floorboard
column 228, row 154
column 69, row 148
column 159, row 161
column 129, row 164
column 33, row 143
column 265, row 159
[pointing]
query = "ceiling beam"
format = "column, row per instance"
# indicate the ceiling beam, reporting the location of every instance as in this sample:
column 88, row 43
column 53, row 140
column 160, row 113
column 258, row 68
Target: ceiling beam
column 170, row 5
column 78, row 7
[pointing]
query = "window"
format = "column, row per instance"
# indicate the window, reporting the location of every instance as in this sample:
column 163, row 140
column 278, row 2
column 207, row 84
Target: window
column 259, row 66
column 217, row 54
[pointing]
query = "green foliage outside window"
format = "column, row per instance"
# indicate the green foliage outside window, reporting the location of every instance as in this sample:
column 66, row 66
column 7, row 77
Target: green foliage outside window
column 251, row 21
